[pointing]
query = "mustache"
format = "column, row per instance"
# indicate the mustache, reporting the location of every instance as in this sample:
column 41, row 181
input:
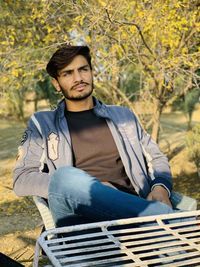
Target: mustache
column 80, row 83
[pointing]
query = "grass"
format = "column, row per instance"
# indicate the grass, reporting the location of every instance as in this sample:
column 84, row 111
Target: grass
column 10, row 134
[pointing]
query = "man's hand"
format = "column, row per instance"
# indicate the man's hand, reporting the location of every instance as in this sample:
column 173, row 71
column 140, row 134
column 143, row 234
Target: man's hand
column 159, row 193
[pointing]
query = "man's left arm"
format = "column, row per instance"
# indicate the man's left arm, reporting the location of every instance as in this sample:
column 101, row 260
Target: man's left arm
column 158, row 169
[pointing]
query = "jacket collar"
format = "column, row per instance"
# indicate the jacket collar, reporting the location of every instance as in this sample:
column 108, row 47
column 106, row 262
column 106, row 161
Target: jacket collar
column 99, row 108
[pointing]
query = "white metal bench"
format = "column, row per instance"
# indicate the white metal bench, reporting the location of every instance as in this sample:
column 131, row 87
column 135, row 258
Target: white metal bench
column 178, row 200
column 142, row 241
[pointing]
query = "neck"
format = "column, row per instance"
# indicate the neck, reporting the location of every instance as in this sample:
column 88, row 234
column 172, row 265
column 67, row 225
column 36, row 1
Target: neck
column 79, row 105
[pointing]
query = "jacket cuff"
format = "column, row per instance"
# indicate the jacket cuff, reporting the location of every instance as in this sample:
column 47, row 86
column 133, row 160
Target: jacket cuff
column 162, row 182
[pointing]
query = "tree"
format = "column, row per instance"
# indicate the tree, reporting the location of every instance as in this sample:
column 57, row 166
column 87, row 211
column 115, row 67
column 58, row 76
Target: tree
column 193, row 145
column 160, row 39
column 28, row 37
column 44, row 90
column 159, row 36
column 191, row 99
column 187, row 103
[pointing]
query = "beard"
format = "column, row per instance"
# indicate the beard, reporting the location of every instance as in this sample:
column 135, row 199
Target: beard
column 81, row 96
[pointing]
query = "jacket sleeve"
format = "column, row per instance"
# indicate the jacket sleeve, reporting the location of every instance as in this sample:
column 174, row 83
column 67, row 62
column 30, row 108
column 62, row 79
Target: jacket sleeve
column 157, row 163
column 28, row 178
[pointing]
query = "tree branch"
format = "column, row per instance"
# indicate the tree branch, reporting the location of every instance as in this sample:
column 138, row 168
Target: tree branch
column 131, row 24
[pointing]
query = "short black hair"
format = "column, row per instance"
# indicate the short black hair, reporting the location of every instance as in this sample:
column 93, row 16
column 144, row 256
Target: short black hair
column 64, row 56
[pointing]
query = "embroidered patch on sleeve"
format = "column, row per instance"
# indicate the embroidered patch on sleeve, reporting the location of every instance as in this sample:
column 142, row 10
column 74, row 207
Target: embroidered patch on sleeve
column 53, row 141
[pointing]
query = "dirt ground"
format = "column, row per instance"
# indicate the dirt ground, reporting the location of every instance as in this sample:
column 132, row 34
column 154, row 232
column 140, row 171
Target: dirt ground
column 19, row 219
column 20, row 223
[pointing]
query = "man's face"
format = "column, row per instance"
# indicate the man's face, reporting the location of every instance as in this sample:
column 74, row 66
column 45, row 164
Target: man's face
column 75, row 81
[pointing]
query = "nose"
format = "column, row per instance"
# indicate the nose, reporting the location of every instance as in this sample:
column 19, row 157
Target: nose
column 77, row 76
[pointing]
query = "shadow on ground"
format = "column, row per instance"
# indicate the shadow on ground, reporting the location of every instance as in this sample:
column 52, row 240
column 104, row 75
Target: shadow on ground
column 18, row 215
column 188, row 184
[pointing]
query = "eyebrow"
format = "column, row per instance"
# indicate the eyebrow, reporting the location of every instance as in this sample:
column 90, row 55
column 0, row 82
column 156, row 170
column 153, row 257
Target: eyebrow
column 70, row 70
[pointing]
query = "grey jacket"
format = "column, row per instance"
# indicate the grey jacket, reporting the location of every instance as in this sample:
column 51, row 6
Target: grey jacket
column 46, row 146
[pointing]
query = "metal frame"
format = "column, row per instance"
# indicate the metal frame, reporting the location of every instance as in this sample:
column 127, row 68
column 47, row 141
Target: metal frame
column 44, row 211
column 143, row 241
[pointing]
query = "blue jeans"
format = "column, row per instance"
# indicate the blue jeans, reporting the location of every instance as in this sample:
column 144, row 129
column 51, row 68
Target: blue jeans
column 75, row 198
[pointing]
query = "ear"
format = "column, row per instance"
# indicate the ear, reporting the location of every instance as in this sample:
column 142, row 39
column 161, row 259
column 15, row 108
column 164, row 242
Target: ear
column 56, row 84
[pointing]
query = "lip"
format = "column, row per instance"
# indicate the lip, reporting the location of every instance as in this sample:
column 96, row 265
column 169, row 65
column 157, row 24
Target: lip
column 80, row 87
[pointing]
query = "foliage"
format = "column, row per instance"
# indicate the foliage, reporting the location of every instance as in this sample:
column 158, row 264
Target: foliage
column 44, row 90
column 157, row 40
column 159, row 37
column 187, row 104
column 191, row 99
column 30, row 34
column 193, row 144
column 131, row 82
column 15, row 103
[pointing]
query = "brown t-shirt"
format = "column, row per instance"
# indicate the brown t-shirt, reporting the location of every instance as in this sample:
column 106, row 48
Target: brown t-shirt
column 94, row 149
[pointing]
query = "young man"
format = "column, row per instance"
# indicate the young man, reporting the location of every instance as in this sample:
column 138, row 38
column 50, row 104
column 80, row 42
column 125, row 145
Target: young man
column 91, row 161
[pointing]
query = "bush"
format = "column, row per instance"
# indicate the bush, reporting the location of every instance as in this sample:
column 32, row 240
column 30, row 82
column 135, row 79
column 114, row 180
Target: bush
column 193, row 145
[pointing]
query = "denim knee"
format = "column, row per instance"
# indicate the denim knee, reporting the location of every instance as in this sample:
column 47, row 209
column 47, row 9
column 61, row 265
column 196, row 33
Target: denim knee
column 69, row 180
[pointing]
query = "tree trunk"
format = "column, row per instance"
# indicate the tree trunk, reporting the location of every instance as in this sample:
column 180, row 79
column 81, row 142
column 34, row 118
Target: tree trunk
column 35, row 104
column 19, row 105
column 189, row 124
column 198, row 171
column 157, row 111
